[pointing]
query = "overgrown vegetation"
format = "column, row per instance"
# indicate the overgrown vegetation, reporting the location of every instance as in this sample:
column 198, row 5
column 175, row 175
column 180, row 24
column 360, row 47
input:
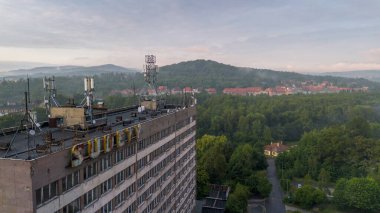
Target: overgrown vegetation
column 337, row 136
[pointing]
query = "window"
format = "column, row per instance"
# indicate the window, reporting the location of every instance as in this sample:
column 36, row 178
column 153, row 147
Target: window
column 90, row 196
column 141, row 163
column 130, row 150
column 120, row 177
column 107, row 208
column 105, row 163
column 130, row 190
column 70, row 181
column 89, row 171
column 129, row 171
column 131, row 208
column 120, row 198
column 73, row 207
column 119, row 155
column 106, row 186
column 47, row 192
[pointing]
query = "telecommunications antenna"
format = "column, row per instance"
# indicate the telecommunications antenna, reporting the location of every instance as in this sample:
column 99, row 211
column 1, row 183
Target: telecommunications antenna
column 150, row 71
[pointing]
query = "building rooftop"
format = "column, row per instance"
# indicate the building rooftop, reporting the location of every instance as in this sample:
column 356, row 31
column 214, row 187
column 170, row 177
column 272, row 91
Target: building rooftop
column 277, row 147
column 53, row 139
column 217, row 199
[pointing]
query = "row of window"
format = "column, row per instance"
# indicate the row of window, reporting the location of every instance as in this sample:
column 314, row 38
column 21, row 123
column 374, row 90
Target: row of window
column 159, row 151
column 106, row 186
column 146, row 142
column 162, row 194
column 46, row 192
column 148, row 193
column 187, row 195
column 168, row 203
column 152, row 139
column 73, row 207
column 121, row 197
column 185, row 187
column 154, row 171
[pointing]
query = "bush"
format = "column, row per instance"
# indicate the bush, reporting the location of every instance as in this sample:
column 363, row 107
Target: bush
column 359, row 193
column 237, row 200
column 307, row 196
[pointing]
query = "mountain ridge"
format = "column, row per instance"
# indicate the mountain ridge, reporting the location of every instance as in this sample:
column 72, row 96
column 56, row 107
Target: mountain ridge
column 71, row 70
column 208, row 73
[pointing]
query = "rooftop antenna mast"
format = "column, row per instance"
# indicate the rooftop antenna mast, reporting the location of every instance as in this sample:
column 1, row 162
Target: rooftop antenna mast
column 89, row 89
column 28, row 123
column 50, row 93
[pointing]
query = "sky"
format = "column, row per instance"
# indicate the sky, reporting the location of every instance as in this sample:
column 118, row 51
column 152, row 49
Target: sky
column 289, row 35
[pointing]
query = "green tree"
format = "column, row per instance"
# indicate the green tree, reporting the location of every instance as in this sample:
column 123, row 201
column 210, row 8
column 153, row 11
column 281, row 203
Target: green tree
column 242, row 162
column 237, row 200
column 264, row 187
column 259, row 184
column 307, row 196
column 202, row 182
column 359, row 193
column 323, row 178
column 358, row 126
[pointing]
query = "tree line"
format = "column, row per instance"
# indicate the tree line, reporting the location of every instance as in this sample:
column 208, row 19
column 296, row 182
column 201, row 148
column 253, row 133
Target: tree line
column 336, row 136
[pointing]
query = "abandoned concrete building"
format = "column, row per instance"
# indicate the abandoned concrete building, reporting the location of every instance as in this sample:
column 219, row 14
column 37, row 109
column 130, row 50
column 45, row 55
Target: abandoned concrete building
column 124, row 160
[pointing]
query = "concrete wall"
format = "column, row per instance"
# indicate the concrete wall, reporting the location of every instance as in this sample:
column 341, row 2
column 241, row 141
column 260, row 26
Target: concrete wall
column 16, row 193
column 71, row 116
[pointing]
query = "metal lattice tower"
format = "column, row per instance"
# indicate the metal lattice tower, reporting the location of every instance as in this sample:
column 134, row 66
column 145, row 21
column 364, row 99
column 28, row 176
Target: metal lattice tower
column 150, row 72
column 50, row 93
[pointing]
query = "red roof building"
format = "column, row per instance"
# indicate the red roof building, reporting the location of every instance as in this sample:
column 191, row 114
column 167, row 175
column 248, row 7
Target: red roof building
column 274, row 149
column 243, row 91
column 176, row 91
column 187, row 90
column 211, row 91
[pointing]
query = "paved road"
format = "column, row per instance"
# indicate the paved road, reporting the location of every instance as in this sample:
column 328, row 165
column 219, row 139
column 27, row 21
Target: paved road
column 274, row 203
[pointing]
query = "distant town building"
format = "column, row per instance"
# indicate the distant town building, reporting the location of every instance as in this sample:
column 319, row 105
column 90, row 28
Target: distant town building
column 162, row 90
column 196, row 90
column 126, row 92
column 176, row 90
column 274, row 149
column 187, row 90
column 211, row 91
column 11, row 109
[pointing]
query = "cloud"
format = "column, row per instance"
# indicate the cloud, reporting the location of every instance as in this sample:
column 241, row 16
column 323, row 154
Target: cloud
column 197, row 49
column 293, row 34
column 374, row 54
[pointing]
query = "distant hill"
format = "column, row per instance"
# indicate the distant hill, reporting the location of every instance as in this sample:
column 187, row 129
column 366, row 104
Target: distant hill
column 196, row 74
column 373, row 75
column 68, row 71
column 206, row 73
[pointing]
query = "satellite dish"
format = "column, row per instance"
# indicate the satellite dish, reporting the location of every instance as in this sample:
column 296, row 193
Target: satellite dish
column 32, row 132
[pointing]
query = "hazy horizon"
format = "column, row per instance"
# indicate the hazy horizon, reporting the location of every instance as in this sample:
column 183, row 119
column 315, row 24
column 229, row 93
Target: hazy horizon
column 28, row 66
column 294, row 35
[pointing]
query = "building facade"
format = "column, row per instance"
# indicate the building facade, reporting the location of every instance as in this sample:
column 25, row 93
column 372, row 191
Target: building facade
column 144, row 165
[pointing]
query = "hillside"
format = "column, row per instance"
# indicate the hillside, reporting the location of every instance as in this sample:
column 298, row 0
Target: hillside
column 373, row 75
column 202, row 73
column 196, row 74
column 68, row 71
